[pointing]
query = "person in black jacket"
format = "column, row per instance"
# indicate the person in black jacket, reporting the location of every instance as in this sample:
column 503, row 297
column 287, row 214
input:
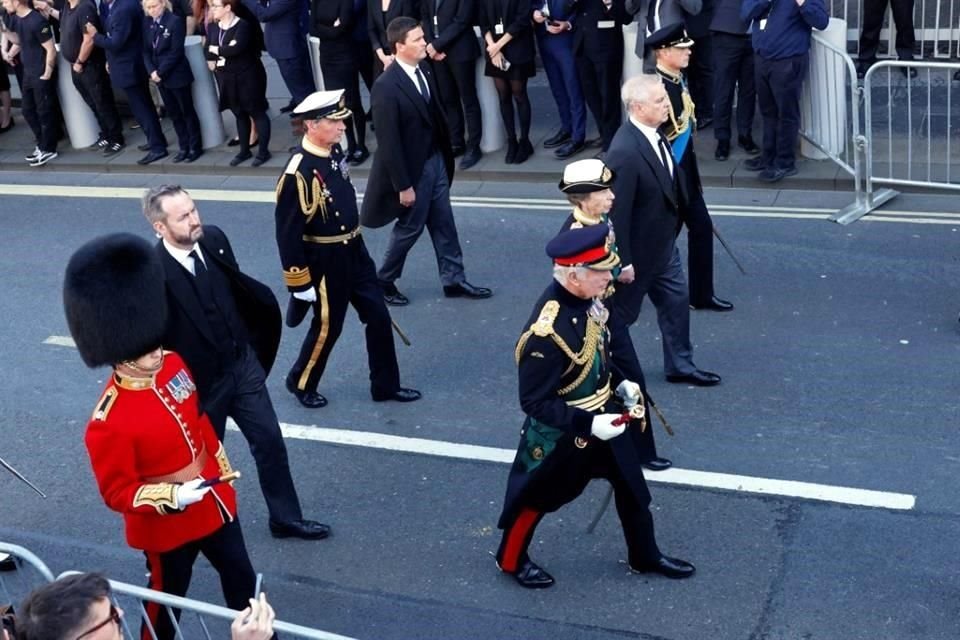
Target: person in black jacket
column 163, row 55
column 452, row 48
column 381, row 13
column 733, row 71
column 332, row 22
column 508, row 32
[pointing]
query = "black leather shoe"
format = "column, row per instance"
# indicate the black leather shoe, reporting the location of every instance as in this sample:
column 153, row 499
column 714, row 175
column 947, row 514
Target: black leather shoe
column 715, row 304
column 359, row 156
column 512, row 148
column 243, row 156
column 667, row 567
column 657, row 464
column 470, row 158
column 703, row 123
column 233, row 142
column 392, row 296
column 524, row 151
column 181, row 156
column 697, row 378
column 7, row 563
column 755, row 164
column 305, row 529
column 774, row 174
column 261, row 158
column 747, row 144
column 193, row 155
column 556, row 139
column 309, row 399
column 153, row 156
column 143, row 147
column 466, row 290
column 723, row 150
column 568, row 149
column 400, row 395
column 530, row 576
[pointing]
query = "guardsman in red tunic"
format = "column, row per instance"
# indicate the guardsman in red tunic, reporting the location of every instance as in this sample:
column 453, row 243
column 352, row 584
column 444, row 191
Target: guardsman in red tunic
column 153, row 452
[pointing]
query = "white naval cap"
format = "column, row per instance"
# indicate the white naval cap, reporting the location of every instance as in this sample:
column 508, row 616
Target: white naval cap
column 323, row 104
column 584, row 176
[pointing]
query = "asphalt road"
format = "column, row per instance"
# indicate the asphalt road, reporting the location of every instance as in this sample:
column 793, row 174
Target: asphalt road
column 839, row 367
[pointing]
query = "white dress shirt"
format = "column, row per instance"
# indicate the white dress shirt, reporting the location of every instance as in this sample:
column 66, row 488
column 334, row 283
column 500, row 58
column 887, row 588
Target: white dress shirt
column 184, row 257
column 411, row 71
column 654, row 138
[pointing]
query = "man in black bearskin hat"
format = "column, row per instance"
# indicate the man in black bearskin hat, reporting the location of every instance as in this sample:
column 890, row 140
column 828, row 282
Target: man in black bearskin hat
column 154, row 453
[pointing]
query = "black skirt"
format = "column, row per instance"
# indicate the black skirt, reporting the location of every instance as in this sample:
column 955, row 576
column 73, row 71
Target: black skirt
column 517, row 70
column 244, row 91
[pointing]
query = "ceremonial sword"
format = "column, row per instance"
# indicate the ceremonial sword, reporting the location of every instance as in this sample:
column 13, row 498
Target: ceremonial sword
column 19, row 475
column 729, row 251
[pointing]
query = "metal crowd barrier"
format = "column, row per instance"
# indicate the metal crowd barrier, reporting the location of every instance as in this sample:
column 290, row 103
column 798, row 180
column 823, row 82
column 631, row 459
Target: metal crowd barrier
column 197, row 620
column 936, row 25
column 30, row 573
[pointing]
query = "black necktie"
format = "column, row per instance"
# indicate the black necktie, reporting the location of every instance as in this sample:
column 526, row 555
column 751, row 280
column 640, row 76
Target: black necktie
column 663, row 155
column 201, row 276
column 423, row 85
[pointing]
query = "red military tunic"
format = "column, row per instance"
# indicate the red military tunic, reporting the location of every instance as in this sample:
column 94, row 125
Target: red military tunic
column 145, row 438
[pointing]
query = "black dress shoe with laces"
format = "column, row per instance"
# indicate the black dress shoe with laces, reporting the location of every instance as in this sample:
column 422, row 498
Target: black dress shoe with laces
column 193, row 155
column 400, row 395
column 714, row 304
column 557, row 139
column 392, row 296
column 667, row 567
column 181, row 156
column 143, row 147
column 153, row 156
column 531, row 576
column 466, row 290
column 747, row 144
column 309, row 399
column 723, row 150
column 697, row 378
column 568, row 149
column 470, row 158
column 657, row 464
column 304, row 529
column 755, row 164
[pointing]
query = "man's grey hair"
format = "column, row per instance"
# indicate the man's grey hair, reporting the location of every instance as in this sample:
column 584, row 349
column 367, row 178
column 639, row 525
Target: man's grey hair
column 562, row 272
column 638, row 89
column 153, row 201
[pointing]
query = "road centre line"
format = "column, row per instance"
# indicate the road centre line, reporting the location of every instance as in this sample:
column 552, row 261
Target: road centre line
column 480, row 202
column 685, row 477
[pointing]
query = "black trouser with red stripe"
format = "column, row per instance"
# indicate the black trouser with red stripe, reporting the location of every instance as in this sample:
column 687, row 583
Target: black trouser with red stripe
column 170, row 572
column 563, row 485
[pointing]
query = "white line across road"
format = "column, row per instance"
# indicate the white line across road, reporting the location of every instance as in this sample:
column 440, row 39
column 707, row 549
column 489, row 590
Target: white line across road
column 687, row 477
column 483, row 202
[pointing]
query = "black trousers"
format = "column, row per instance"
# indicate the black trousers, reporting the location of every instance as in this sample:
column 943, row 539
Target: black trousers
column 349, row 278
column 458, row 93
column 600, row 85
column 699, row 246
column 733, row 70
column 297, row 76
column 342, row 74
column 180, row 109
column 40, row 110
column 873, row 11
column 171, row 571
column 241, row 393
column 547, row 493
column 700, row 76
column 93, row 85
column 141, row 104
column 779, row 83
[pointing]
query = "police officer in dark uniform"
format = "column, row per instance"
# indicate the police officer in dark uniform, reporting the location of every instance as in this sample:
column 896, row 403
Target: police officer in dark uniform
column 671, row 47
column 325, row 262
column 575, row 429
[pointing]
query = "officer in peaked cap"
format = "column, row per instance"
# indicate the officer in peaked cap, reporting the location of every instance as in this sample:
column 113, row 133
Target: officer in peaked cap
column 325, row 262
column 672, row 35
column 150, row 446
column 574, row 398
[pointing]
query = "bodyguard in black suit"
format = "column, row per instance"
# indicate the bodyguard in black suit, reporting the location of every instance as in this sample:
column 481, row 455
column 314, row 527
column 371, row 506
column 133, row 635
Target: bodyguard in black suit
column 733, row 70
column 412, row 168
column 284, row 34
column 453, row 49
column 700, row 71
column 226, row 326
column 646, row 217
column 163, row 40
column 598, row 49
column 123, row 44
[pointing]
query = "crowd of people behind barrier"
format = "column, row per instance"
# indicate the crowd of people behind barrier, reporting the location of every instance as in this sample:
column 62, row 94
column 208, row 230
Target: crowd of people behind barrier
column 754, row 47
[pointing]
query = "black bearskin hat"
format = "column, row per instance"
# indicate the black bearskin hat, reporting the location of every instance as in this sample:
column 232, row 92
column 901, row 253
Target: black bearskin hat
column 114, row 299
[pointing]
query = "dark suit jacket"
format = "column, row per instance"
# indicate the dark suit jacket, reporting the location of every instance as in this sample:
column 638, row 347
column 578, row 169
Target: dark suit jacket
column 726, row 18
column 122, row 41
column 282, row 32
column 405, row 126
column 336, row 42
column 189, row 333
column 698, row 24
column 377, row 21
column 453, row 33
column 517, row 21
column 163, row 50
column 591, row 41
column 645, row 213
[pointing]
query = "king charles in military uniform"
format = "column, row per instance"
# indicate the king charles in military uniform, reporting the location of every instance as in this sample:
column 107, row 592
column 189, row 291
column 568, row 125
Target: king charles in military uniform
column 583, row 416
column 155, row 456
column 325, row 262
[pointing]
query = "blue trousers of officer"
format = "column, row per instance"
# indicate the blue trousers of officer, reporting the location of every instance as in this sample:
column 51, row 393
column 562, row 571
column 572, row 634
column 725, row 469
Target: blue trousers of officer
column 556, row 51
column 138, row 97
column 779, row 83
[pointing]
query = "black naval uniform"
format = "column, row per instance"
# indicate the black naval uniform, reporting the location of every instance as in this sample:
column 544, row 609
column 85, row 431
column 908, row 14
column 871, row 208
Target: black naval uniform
column 565, row 380
column 694, row 213
column 318, row 234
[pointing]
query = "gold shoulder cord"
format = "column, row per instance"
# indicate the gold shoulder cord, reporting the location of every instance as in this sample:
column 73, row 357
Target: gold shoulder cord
column 680, row 126
column 543, row 327
column 310, row 203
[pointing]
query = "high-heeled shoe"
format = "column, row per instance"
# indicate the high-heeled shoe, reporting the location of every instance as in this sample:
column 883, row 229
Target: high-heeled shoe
column 512, row 149
column 524, row 151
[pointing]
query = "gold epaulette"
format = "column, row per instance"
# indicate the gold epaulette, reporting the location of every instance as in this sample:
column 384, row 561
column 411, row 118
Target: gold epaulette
column 105, row 403
column 291, row 169
column 542, row 328
column 161, row 496
column 296, row 276
column 222, row 461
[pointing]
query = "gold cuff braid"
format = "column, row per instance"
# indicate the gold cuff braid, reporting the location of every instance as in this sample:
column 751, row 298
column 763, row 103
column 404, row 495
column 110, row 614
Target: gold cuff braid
column 161, row 496
column 222, row 461
column 296, row 276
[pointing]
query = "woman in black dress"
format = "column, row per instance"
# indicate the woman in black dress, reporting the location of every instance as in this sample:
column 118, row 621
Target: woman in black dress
column 233, row 54
column 508, row 32
column 379, row 15
column 332, row 22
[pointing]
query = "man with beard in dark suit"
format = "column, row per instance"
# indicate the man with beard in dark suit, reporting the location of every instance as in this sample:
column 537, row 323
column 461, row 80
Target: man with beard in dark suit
column 226, row 326
column 413, row 168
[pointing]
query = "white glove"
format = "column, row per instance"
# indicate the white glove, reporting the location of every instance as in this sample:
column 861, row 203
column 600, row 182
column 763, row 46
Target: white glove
column 310, row 295
column 604, row 428
column 629, row 392
column 191, row 492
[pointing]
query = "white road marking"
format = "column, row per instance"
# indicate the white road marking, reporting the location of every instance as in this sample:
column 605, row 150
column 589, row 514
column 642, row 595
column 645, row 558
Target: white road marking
column 61, row 341
column 482, row 202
